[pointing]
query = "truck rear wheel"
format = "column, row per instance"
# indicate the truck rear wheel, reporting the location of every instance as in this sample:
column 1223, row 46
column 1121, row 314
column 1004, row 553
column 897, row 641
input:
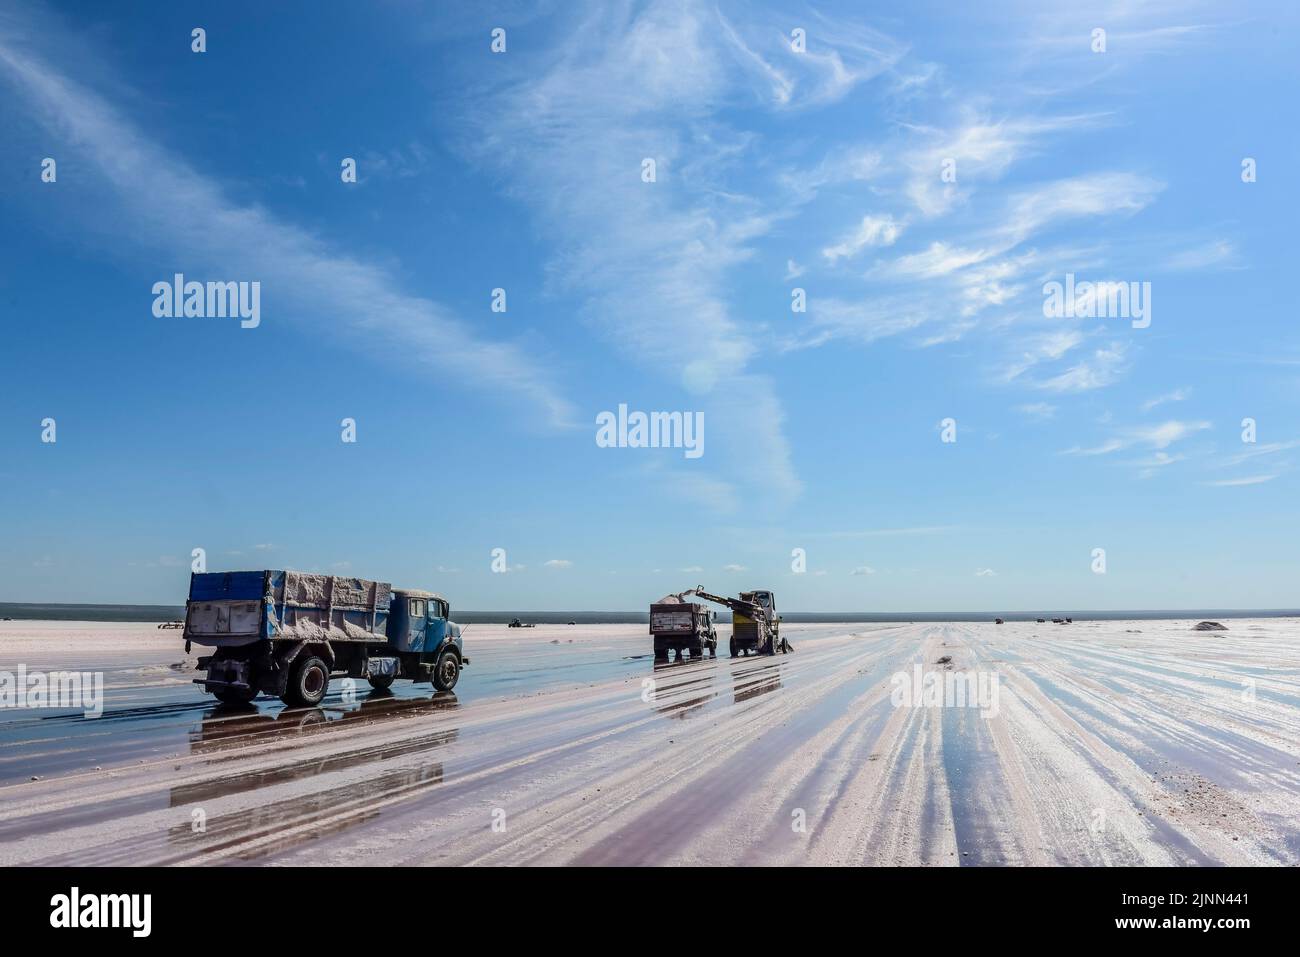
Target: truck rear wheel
column 447, row 671
column 234, row 695
column 308, row 682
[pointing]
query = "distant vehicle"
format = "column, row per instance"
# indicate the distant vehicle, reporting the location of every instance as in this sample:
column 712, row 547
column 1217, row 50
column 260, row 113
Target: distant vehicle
column 287, row 633
column 516, row 623
column 682, row 626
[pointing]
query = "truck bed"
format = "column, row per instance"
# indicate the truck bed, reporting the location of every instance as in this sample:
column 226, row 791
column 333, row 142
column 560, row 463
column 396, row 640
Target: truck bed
column 673, row 617
column 237, row 608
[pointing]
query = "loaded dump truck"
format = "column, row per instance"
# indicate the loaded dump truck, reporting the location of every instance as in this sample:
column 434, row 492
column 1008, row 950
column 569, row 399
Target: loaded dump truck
column 287, row 633
column 678, row 625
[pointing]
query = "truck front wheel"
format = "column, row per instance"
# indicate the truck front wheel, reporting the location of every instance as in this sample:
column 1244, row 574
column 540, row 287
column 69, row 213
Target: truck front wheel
column 308, row 682
column 446, row 671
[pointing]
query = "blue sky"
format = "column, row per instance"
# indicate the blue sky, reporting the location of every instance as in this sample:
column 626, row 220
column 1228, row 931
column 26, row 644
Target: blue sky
column 775, row 169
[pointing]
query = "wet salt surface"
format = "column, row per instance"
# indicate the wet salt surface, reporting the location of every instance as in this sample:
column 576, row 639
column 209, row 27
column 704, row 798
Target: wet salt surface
column 710, row 764
column 153, row 708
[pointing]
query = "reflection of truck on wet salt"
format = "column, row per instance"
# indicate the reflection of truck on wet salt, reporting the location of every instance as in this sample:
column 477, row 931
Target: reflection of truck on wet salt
column 678, row 626
column 285, row 633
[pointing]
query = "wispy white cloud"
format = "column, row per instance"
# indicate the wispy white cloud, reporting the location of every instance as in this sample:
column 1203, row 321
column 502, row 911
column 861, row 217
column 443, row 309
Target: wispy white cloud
column 1128, row 40
column 1158, row 437
column 1045, row 347
column 1165, row 434
column 872, row 231
column 976, row 149
column 171, row 207
column 1110, row 445
column 966, row 284
column 889, row 532
column 1149, row 466
column 1178, row 395
column 1252, row 451
column 570, row 131
column 1093, row 194
column 1100, row 369
column 837, row 57
column 1037, row 410
column 938, row 259
column 1250, row 480
column 1218, row 252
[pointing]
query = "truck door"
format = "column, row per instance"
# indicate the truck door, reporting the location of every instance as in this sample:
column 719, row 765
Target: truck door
column 436, row 629
column 416, row 614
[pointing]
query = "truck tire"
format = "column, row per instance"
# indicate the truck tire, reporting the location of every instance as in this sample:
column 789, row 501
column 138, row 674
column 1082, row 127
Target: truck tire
column 380, row 682
column 234, row 695
column 447, row 671
column 308, row 682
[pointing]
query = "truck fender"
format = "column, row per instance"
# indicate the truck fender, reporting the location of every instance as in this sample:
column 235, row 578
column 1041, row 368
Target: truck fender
column 326, row 652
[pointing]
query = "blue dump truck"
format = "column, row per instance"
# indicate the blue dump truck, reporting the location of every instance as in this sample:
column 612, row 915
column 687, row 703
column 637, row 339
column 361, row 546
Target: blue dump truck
column 287, row 633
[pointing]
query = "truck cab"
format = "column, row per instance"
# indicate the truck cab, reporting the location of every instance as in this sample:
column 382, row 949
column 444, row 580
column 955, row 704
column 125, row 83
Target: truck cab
column 764, row 599
column 748, row 634
column 420, row 625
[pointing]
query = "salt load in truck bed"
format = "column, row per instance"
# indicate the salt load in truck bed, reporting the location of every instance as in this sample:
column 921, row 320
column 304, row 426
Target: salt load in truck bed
column 227, row 609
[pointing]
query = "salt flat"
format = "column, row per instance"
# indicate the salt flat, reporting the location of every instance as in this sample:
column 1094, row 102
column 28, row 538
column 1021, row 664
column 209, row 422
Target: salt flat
column 1111, row 743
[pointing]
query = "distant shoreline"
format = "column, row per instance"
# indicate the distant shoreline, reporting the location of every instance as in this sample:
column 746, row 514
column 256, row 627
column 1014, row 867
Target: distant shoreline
column 35, row 611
